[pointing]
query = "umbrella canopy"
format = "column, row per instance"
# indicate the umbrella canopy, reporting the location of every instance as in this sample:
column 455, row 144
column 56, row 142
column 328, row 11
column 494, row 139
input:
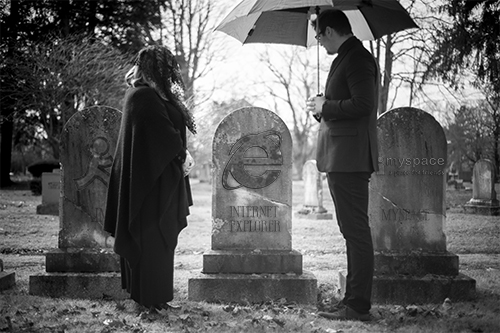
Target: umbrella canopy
column 288, row 22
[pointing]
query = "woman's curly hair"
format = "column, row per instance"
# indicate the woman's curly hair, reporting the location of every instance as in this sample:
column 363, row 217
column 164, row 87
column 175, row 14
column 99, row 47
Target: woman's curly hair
column 156, row 67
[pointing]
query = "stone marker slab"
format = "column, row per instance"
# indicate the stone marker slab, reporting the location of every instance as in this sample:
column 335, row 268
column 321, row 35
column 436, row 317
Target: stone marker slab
column 407, row 212
column 51, row 191
column 484, row 198
column 7, row 280
column 252, row 182
column 252, row 262
column 253, row 288
column 313, row 194
column 84, row 264
column 88, row 143
column 78, row 285
column 251, row 215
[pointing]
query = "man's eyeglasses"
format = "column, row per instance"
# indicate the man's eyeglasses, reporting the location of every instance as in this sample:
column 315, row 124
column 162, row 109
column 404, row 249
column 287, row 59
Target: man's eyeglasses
column 318, row 36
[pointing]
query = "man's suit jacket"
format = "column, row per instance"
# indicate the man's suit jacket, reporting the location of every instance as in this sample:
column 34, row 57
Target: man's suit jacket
column 347, row 139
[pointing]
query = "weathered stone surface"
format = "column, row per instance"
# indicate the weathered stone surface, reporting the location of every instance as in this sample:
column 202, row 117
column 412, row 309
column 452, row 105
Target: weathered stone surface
column 416, row 264
column 84, row 265
column 252, row 182
column 252, row 262
column 242, row 288
column 407, row 213
column 7, row 280
column 88, row 142
column 404, row 289
column 51, row 191
column 484, row 198
column 82, row 260
column 78, row 285
column 407, row 208
column 251, row 215
column 313, row 194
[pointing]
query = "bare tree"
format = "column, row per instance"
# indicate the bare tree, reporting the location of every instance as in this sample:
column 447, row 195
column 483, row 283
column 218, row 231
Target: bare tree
column 60, row 78
column 187, row 28
column 293, row 82
column 402, row 57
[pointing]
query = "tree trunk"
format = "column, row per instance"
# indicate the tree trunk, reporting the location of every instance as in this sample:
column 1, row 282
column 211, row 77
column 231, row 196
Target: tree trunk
column 7, row 110
column 386, row 79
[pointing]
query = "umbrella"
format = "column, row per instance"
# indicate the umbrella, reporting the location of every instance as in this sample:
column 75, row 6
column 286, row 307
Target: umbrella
column 288, row 21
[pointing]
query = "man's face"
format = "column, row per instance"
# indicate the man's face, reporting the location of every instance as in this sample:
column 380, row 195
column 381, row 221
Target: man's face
column 330, row 40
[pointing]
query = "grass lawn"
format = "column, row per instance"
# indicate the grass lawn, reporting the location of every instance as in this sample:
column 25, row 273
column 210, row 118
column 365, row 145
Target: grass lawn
column 25, row 236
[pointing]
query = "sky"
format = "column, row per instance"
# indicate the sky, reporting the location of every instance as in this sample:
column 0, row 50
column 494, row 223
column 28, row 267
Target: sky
column 237, row 74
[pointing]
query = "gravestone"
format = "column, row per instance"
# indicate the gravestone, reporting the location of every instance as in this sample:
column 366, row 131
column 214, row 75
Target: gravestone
column 484, row 198
column 7, row 280
column 84, row 265
column 251, row 259
column 313, row 194
column 407, row 213
column 205, row 173
column 51, row 190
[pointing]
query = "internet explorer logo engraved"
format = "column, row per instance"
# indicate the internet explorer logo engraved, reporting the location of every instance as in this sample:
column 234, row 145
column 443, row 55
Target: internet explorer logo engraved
column 268, row 144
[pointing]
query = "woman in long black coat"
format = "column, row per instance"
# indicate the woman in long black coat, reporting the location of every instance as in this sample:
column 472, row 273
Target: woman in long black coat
column 149, row 194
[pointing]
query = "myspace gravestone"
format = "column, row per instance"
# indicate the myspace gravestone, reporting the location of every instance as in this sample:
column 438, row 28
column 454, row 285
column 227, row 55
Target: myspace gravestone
column 313, row 194
column 7, row 280
column 51, row 190
column 484, row 198
column 84, row 265
column 252, row 257
column 407, row 213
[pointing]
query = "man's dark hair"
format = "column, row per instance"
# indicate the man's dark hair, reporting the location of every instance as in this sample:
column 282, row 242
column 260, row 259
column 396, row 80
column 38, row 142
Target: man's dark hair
column 335, row 19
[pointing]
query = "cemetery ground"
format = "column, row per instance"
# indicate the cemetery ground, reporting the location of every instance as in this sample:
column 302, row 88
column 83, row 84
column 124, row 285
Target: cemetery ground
column 26, row 236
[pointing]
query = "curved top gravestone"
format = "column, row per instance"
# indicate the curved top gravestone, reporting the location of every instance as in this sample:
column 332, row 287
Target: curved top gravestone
column 88, row 144
column 252, row 182
column 407, row 196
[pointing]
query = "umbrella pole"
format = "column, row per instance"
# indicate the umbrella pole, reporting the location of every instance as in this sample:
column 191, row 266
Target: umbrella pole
column 317, row 51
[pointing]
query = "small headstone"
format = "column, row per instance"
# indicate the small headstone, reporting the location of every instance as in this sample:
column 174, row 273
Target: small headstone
column 205, row 173
column 252, row 257
column 7, row 280
column 313, row 194
column 51, row 191
column 85, row 255
column 484, row 198
column 407, row 213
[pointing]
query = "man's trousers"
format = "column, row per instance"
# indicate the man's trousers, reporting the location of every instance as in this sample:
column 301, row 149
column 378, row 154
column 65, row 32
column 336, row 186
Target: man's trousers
column 349, row 191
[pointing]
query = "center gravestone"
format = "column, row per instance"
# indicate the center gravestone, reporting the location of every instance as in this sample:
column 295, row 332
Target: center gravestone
column 252, row 257
column 84, row 265
column 407, row 213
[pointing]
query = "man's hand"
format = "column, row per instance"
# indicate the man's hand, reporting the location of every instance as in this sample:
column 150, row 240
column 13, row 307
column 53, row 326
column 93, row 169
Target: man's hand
column 315, row 104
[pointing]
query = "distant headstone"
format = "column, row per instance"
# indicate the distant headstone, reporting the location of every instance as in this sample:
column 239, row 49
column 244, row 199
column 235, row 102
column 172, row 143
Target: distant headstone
column 313, row 194
column 51, row 191
column 7, row 280
column 484, row 198
column 85, row 252
column 252, row 257
column 407, row 213
column 205, row 173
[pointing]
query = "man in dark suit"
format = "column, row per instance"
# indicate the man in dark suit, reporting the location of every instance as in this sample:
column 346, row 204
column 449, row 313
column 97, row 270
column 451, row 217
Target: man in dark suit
column 347, row 152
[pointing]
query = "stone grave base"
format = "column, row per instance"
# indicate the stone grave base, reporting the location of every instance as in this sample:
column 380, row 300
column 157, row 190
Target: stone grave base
column 402, row 289
column 416, row 263
column 249, row 262
column 482, row 209
column 79, row 273
column 313, row 216
column 82, row 260
column 253, row 288
column 78, row 285
column 7, row 280
column 48, row 209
